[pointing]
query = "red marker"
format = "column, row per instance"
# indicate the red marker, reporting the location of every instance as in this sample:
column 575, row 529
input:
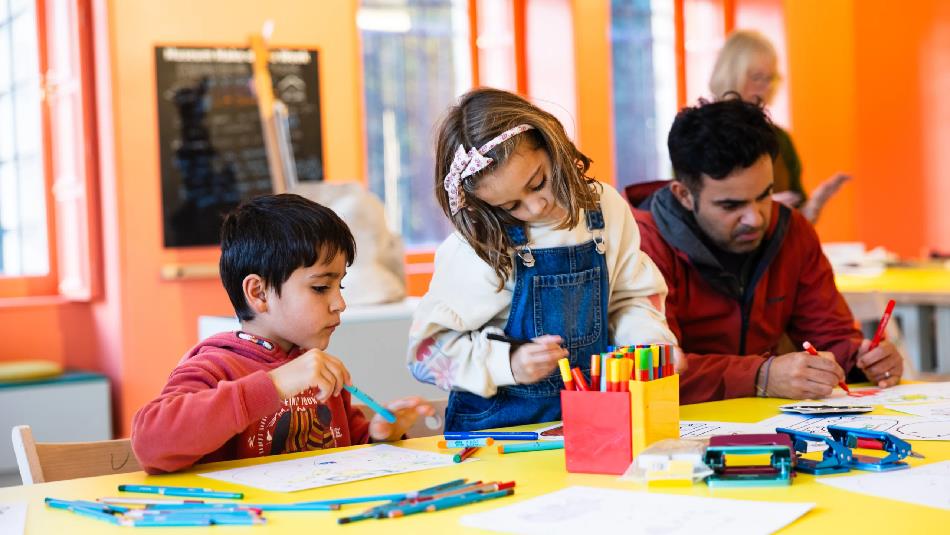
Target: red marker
column 812, row 351
column 882, row 325
column 465, row 454
column 579, row 380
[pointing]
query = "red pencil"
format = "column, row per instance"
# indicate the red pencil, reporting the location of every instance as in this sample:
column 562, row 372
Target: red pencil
column 812, row 351
column 882, row 325
column 465, row 454
column 579, row 382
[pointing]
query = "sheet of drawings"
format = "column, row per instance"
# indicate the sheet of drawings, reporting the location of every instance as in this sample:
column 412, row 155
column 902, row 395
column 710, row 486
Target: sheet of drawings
column 595, row 510
column 704, row 429
column 12, row 517
column 905, row 427
column 923, row 485
column 897, row 395
column 333, row 468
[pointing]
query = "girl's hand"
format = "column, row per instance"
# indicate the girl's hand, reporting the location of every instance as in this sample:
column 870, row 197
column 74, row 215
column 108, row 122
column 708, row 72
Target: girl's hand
column 532, row 362
column 407, row 410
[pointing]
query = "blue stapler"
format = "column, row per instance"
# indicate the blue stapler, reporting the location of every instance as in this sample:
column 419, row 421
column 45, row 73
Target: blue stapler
column 836, row 459
column 896, row 448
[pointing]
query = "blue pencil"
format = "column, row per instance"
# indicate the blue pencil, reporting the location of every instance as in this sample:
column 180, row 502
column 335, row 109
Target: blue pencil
column 382, row 411
column 181, row 491
column 497, row 435
column 215, row 507
column 449, row 502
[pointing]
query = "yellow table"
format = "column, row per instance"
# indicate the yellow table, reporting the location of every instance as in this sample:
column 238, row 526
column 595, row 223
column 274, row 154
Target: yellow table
column 919, row 285
column 837, row 511
column 922, row 294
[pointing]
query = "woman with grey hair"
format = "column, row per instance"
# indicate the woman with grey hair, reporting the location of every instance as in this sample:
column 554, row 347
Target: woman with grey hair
column 747, row 67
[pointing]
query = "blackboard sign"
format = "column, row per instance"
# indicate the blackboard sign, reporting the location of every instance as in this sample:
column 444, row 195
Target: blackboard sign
column 212, row 146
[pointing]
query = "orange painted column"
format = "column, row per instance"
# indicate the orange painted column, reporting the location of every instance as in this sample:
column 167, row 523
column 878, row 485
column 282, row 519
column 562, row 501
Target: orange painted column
column 593, row 71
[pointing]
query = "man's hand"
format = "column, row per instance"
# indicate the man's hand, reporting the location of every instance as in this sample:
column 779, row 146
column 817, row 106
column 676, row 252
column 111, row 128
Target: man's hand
column 803, row 376
column 882, row 365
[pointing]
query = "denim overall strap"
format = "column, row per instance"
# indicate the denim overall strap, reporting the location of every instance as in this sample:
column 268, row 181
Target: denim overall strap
column 558, row 290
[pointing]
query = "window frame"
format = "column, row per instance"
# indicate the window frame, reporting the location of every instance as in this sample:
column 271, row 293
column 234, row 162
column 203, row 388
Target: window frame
column 74, row 268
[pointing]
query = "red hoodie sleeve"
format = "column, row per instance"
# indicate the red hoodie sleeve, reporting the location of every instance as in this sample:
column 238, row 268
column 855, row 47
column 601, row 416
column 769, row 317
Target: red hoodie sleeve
column 197, row 413
column 821, row 315
column 356, row 420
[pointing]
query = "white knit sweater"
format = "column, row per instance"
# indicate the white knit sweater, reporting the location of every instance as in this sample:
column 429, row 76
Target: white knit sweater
column 447, row 341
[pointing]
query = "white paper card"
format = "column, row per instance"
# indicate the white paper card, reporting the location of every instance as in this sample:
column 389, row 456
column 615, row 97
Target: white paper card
column 12, row 518
column 577, row 510
column 924, row 485
column 333, row 468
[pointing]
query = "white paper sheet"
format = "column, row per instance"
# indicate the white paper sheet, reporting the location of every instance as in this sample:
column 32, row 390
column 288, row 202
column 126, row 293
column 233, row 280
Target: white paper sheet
column 594, row 510
column 12, row 518
column 930, row 410
column 706, row 429
column 333, row 468
column 905, row 427
column 896, row 395
column 923, row 485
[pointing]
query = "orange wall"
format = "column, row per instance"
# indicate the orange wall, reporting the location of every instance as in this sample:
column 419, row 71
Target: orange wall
column 821, row 87
column 159, row 318
column 870, row 98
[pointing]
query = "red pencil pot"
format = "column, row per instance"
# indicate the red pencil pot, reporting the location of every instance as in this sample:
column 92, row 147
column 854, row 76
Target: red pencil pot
column 597, row 437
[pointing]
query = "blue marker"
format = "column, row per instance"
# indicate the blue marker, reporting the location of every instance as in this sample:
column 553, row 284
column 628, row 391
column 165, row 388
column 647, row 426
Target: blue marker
column 497, row 435
column 382, row 411
column 181, row 491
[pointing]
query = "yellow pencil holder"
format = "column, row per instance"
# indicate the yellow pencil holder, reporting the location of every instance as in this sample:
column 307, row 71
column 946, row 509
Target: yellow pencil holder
column 598, row 428
column 654, row 411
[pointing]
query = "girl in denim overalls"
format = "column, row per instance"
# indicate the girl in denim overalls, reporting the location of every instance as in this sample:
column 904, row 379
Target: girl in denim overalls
column 541, row 252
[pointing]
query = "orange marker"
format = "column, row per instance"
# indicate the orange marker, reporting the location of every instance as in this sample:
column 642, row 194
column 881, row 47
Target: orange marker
column 812, row 351
column 595, row 372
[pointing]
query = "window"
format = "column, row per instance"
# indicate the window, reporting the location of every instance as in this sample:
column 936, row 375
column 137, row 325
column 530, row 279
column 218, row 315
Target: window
column 644, row 88
column 416, row 61
column 24, row 249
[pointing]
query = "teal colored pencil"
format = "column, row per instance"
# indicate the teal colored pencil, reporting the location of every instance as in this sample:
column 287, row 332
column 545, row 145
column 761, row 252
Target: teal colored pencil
column 449, row 502
column 532, row 446
column 382, row 411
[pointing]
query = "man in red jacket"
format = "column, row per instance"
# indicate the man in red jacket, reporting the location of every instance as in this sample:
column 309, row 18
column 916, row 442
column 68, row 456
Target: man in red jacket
column 742, row 269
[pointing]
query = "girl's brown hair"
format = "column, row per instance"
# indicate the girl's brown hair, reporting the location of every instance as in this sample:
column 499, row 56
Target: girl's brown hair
column 481, row 115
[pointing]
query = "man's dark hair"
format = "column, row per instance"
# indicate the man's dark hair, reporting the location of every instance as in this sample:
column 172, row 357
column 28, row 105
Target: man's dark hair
column 717, row 138
column 272, row 236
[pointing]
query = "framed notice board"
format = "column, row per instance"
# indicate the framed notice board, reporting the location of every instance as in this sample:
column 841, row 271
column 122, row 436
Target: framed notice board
column 212, row 146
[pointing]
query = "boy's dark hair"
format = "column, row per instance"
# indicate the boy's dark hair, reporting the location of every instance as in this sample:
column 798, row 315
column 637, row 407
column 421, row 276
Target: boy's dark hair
column 716, row 138
column 272, row 236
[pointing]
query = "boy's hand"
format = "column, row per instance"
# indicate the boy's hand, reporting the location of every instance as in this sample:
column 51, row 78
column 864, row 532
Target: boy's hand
column 802, row 375
column 680, row 363
column 532, row 362
column 313, row 368
column 407, row 410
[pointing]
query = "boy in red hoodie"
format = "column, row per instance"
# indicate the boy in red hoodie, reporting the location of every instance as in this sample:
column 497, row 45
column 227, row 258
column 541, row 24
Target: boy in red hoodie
column 269, row 388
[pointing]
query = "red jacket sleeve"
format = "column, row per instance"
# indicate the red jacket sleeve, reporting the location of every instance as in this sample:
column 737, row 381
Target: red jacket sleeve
column 197, row 413
column 821, row 315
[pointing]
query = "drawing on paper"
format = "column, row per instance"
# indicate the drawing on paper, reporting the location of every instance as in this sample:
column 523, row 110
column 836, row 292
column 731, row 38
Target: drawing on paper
column 905, row 427
column 332, row 468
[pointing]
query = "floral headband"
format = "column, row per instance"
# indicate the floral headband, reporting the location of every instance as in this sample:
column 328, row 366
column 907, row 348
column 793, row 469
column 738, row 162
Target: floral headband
column 468, row 163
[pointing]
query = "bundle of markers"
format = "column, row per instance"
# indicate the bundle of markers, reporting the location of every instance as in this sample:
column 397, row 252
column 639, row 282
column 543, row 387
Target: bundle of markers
column 620, row 364
column 197, row 512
